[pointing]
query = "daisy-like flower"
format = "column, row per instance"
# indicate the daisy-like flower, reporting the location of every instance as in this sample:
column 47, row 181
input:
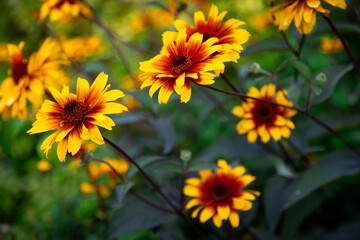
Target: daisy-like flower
column 180, row 63
column 63, row 10
column 302, row 12
column 77, row 117
column 229, row 34
column 331, row 45
column 220, row 196
column 29, row 79
column 265, row 119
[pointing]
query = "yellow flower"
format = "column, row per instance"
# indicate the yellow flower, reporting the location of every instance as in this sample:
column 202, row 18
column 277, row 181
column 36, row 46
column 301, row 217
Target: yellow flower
column 302, row 12
column 87, row 188
column 180, row 63
column 220, row 196
column 29, row 79
column 157, row 17
column 261, row 21
column 43, row 166
column 77, row 117
column 331, row 45
column 79, row 48
column 63, row 10
column 265, row 119
column 229, row 34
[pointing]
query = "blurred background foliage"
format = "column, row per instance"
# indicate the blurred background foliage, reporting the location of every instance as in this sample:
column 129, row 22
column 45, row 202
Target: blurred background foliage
column 319, row 203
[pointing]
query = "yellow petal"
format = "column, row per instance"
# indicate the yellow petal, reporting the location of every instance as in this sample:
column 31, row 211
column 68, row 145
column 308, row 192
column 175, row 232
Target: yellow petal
column 206, row 213
column 191, row 191
column 62, row 149
column 234, row 218
column 223, row 211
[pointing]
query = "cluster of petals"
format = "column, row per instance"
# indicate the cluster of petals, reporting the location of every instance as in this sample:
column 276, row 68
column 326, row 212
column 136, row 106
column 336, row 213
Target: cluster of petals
column 302, row 12
column 220, row 196
column 76, row 117
column 64, row 10
column 28, row 80
column 265, row 119
column 193, row 54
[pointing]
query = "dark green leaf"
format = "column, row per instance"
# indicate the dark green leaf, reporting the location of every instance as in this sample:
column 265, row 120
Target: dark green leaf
column 128, row 118
column 303, row 69
column 333, row 74
column 330, row 167
column 268, row 44
column 348, row 231
column 284, row 64
column 121, row 191
column 9, row 131
column 166, row 131
column 135, row 216
column 142, row 162
column 276, row 193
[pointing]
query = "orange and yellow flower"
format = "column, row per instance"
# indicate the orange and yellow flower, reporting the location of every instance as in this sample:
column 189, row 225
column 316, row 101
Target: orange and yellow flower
column 220, row 196
column 180, row 63
column 43, row 166
column 261, row 21
column 264, row 119
column 331, row 45
column 302, row 12
column 87, row 188
column 229, row 34
column 63, row 10
column 80, row 48
column 3, row 52
column 76, row 117
column 29, row 79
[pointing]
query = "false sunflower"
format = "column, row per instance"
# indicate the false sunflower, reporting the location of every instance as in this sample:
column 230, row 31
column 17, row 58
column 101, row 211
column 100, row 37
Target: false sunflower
column 76, row 117
column 29, row 79
column 229, row 34
column 220, row 196
column 265, row 119
column 63, row 10
column 180, row 63
column 302, row 12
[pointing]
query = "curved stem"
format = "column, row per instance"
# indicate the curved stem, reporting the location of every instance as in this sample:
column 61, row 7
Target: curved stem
column 229, row 83
column 346, row 47
column 155, row 185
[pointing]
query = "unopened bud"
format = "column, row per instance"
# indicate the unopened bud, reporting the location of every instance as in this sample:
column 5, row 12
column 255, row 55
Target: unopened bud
column 185, row 155
column 255, row 68
column 321, row 78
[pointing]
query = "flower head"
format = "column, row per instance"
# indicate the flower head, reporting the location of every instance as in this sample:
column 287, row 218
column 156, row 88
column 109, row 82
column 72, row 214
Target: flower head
column 265, row 119
column 180, row 63
column 79, row 48
column 220, row 196
column 29, row 79
column 63, row 10
column 331, row 45
column 76, row 117
column 43, row 166
column 229, row 34
column 302, row 12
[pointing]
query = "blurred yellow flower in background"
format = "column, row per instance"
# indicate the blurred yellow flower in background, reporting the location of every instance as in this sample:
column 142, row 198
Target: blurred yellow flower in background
column 29, row 79
column 80, row 48
column 302, row 12
column 158, row 18
column 261, row 21
column 43, row 166
column 3, row 52
column 265, row 119
column 63, row 10
column 87, row 188
column 220, row 196
column 76, row 117
column 331, row 45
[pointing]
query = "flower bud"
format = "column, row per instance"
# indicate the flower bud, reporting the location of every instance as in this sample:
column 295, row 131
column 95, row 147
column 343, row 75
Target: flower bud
column 255, row 68
column 321, row 78
column 185, row 155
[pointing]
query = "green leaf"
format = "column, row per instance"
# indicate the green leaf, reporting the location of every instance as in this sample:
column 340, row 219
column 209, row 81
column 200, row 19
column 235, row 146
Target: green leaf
column 333, row 74
column 8, row 132
column 134, row 216
column 342, row 27
column 166, row 131
column 128, row 118
column 303, row 69
column 121, row 191
column 276, row 193
column 349, row 231
column 142, row 162
column 267, row 44
column 298, row 212
column 284, row 64
column 330, row 167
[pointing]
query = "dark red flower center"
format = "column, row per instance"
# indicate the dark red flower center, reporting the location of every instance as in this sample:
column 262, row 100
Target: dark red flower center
column 220, row 192
column 206, row 36
column 18, row 70
column 264, row 112
column 74, row 112
column 60, row 3
column 180, row 63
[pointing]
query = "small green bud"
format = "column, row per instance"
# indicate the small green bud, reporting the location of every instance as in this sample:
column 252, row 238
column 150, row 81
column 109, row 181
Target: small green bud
column 321, row 78
column 185, row 155
column 255, row 68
